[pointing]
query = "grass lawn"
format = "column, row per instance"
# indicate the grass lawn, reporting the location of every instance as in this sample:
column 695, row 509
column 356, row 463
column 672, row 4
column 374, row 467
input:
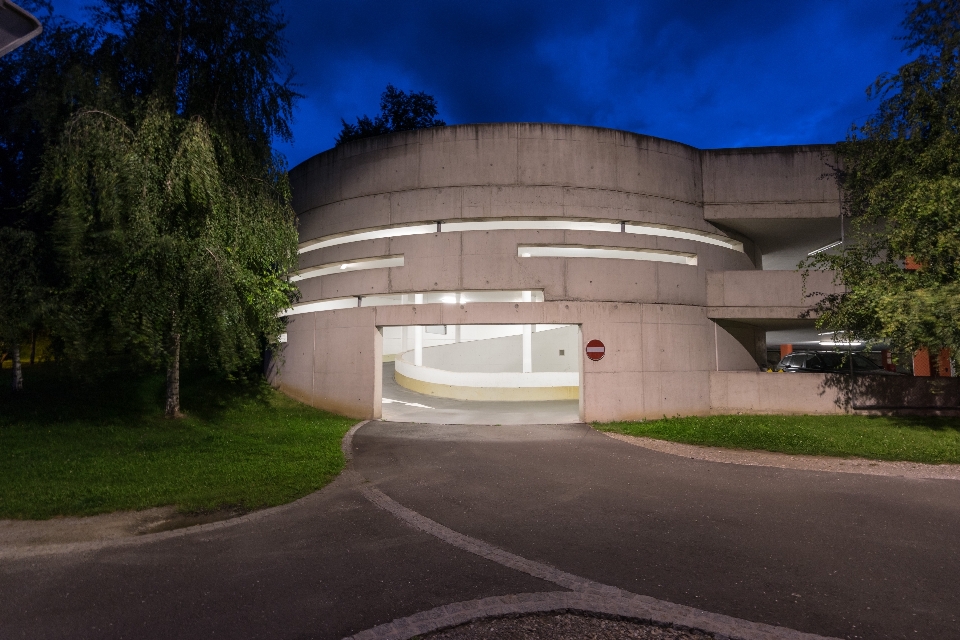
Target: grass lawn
column 931, row 440
column 72, row 449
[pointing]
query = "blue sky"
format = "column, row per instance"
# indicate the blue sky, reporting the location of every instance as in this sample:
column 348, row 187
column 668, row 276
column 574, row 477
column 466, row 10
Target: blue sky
column 707, row 73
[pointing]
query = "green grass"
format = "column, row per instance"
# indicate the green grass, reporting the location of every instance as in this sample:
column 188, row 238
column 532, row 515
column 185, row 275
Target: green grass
column 930, row 440
column 78, row 449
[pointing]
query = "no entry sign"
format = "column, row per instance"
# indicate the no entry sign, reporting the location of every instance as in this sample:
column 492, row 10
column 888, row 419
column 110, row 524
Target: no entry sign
column 595, row 350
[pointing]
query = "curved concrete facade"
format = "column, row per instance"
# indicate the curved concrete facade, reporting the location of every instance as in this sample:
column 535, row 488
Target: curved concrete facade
column 656, row 223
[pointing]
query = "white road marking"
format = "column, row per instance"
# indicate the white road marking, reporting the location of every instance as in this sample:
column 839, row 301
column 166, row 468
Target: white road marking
column 409, row 404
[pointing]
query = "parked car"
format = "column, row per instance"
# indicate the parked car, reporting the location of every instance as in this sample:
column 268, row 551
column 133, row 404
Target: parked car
column 831, row 362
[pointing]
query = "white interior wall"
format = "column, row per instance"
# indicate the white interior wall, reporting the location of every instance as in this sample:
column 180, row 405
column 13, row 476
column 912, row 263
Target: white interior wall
column 503, row 352
column 393, row 342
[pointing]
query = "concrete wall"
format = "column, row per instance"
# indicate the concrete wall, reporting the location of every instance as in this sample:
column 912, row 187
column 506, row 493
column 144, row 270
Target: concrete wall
column 812, row 393
column 657, row 362
column 770, row 294
column 508, row 170
column 769, row 182
column 332, row 360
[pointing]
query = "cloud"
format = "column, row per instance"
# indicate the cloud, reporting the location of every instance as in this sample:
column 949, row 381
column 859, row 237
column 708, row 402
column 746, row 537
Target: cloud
column 707, row 73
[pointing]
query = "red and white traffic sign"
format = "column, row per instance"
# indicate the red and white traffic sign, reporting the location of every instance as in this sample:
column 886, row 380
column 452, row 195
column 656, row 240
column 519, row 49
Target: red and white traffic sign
column 595, row 350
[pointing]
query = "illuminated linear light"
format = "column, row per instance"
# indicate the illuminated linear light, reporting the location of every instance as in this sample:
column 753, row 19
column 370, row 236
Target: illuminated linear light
column 825, row 248
column 837, row 339
column 616, row 253
column 666, row 231
column 429, row 297
column 367, row 234
column 534, row 224
column 381, row 262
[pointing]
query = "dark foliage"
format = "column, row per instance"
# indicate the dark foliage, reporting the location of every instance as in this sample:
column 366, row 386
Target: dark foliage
column 900, row 178
column 399, row 111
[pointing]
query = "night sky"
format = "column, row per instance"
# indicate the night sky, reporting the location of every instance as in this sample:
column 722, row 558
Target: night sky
column 707, row 73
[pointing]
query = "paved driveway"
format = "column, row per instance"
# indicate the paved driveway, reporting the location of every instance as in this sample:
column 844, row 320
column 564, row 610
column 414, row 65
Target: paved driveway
column 832, row 554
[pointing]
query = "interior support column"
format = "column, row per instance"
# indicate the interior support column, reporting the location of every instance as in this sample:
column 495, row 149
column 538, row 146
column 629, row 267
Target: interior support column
column 418, row 345
column 528, row 348
column 418, row 336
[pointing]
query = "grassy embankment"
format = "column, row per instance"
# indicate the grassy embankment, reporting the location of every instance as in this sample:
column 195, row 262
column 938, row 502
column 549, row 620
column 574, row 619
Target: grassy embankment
column 916, row 439
column 74, row 449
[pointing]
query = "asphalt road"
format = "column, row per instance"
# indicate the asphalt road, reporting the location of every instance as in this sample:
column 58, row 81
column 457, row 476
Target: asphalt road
column 834, row 554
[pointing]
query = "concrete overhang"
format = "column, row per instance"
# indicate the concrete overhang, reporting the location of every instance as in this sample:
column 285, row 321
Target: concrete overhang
column 785, row 199
column 771, row 300
column 17, row 26
column 784, row 242
column 778, row 319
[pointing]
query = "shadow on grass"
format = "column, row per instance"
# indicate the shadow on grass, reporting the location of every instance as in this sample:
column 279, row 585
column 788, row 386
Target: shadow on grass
column 51, row 395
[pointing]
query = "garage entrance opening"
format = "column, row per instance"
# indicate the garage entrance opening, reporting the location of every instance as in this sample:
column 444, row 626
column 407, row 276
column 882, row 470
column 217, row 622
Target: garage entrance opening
column 482, row 374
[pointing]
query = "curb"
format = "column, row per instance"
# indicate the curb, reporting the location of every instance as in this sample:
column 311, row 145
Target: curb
column 630, row 607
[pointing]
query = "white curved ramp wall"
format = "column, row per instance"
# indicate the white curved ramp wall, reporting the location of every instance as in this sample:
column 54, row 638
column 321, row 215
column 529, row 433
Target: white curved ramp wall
column 504, row 354
column 492, row 369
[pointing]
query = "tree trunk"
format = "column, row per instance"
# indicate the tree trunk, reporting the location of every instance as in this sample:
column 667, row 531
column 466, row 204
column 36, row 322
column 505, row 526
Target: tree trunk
column 17, row 371
column 173, row 379
column 33, row 346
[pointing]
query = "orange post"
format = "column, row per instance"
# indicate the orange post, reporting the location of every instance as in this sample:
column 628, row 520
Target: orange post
column 921, row 363
column 943, row 363
column 785, row 350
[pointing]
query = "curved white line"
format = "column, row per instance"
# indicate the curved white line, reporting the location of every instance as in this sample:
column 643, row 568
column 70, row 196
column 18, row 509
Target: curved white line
column 510, row 224
column 380, row 262
column 616, row 253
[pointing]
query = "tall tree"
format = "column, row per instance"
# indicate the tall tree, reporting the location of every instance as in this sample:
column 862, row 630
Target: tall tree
column 19, row 292
column 169, row 251
column 221, row 60
column 399, row 111
column 41, row 85
column 899, row 174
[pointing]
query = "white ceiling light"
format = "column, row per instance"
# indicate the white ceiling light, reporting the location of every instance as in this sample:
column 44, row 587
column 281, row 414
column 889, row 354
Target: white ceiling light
column 825, row 248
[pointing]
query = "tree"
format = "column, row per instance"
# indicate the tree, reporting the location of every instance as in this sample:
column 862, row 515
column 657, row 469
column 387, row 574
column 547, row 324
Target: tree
column 177, row 104
column 19, row 291
column 169, row 251
column 399, row 111
column 221, row 60
column 41, row 84
column 899, row 175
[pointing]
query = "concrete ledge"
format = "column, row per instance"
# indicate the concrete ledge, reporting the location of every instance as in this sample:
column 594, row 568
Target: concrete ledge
column 487, row 394
column 814, row 393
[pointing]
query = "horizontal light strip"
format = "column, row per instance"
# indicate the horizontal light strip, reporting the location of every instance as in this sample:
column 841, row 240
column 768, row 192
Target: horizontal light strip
column 429, row 297
column 666, row 231
column 508, row 224
column 362, row 264
column 617, row 253
column 395, row 231
column 504, row 224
